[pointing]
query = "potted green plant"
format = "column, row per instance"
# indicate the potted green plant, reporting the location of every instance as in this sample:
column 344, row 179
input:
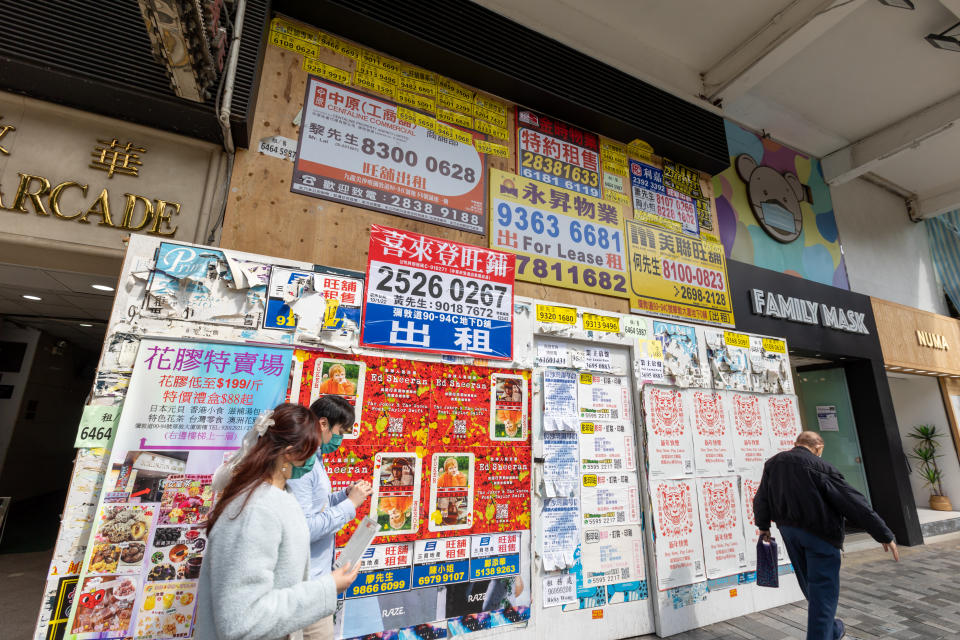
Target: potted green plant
column 925, row 452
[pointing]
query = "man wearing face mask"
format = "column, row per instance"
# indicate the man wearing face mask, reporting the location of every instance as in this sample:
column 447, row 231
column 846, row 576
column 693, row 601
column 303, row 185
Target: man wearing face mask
column 808, row 499
column 326, row 511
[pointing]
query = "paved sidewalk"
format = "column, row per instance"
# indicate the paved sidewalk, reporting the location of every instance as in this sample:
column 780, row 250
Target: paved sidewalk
column 917, row 599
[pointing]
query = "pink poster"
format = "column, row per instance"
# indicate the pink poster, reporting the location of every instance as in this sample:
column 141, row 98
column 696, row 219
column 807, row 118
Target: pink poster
column 748, row 489
column 750, row 443
column 723, row 546
column 676, row 522
column 712, row 440
column 669, row 441
column 784, row 419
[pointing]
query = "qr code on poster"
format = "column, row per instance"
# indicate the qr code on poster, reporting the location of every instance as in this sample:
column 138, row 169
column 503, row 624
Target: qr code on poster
column 460, row 427
column 395, row 425
column 503, row 511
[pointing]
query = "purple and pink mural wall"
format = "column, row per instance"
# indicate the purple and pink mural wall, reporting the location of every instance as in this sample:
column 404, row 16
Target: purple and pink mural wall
column 814, row 253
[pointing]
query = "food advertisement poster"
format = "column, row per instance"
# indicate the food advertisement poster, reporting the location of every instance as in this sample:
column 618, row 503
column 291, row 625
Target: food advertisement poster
column 188, row 406
column 356, row 149
column 674, row 275
column 447, row 449
column 558, row 154
column 437, row 296
column 723, row 545
column 560, row 237
column 676, row 520
column 669, row 438
column 712, row 439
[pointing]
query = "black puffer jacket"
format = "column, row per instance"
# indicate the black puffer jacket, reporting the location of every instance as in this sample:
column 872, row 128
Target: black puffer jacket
column 798, row 489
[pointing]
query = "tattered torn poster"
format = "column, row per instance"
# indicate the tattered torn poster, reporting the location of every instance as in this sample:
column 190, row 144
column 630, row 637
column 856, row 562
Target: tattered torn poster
column 728, row 356
column 561, row 472
column 723, row 545
column 669, row 441
column 606, row 446
column 560, row 400
column 676, row 522
column 682, row 356
column 206, row 285
column 784, row 416
column 712, row 438
column 770, row 365
column 612, row 555
column 648, row 362
column 327, row 308
column 561, row 532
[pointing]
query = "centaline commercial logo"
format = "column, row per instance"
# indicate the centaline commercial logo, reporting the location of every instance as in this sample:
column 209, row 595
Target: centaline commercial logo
column 320, row 97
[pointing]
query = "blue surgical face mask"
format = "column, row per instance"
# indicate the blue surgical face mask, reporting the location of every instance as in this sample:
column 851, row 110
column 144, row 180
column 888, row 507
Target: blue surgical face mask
column 778, row 217
column 299, row 472
column 333, row 445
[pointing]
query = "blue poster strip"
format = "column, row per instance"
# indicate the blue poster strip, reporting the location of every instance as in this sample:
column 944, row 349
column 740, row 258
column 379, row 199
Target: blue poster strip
column 371, row 583
column 428, row 575
column 494, row 566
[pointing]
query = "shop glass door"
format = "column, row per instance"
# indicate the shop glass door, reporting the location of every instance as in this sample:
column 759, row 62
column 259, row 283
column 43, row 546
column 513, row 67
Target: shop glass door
column 826, row 409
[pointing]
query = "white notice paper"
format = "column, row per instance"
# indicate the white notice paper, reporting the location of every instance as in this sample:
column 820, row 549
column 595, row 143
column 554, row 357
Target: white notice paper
column 559, row 400
column 558, row 590
column 609, row 498
column 676, row 521
column 827, row 418
column 606, row 446
column 611, row 555
column 784, row 417
column 603, row 397
column 552, row 354
column 561, row 533
column 597, row 359
column 561, row 465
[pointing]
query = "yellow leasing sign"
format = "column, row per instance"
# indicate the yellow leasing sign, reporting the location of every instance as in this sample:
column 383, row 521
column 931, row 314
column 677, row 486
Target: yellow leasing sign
column 561, row 238
column 674, row 275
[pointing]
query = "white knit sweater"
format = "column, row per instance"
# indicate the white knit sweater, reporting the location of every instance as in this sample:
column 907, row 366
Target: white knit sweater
column 253, row 581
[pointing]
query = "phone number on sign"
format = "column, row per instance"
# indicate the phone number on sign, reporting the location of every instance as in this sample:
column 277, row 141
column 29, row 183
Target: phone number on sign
column 685, row 274
column 575, row 274
column 440, row 292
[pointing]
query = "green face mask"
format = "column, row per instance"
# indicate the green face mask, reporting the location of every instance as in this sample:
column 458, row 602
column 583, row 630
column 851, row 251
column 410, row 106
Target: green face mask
column 333, row 445
column 299, row 472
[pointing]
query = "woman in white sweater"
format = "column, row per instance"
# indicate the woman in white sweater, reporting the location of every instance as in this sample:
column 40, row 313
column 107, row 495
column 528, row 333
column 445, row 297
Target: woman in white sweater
column 254, row 581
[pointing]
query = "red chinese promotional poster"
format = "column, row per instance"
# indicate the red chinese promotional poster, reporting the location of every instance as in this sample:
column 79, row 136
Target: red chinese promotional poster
column 446, row 447
column 723, row 545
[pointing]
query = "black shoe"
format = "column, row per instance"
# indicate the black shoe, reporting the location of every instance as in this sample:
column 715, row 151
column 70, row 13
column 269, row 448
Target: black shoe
column 839, row 628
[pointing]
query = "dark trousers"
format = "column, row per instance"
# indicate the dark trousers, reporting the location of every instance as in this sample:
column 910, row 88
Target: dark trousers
column 817, row 564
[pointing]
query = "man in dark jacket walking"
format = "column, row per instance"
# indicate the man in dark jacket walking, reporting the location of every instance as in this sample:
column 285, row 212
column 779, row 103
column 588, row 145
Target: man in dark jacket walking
column 809, row 499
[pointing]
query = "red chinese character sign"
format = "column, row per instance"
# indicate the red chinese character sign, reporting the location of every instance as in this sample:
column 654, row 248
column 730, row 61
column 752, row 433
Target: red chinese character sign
column 558, row 154
column 354, row 149
column 187, row 408
column 437, row 296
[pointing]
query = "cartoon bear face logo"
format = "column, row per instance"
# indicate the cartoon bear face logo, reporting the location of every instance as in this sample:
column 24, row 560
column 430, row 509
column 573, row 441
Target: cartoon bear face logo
column 774, row 198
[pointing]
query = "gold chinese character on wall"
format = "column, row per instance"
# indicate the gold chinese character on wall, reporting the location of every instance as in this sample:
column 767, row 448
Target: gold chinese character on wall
column 4, row 129
column 114, row 158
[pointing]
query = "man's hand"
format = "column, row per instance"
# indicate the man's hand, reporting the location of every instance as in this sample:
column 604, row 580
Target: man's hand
column 359, row 492
column 892, row 547
column 765, row 534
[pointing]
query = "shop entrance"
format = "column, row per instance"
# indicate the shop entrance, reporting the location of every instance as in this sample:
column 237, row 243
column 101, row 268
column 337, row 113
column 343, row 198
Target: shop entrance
column 825, row 408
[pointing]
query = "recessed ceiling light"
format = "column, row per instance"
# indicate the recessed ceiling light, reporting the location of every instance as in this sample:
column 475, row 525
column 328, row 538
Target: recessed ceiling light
column 84, row 324
column 101, row 287
column 37, row 298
